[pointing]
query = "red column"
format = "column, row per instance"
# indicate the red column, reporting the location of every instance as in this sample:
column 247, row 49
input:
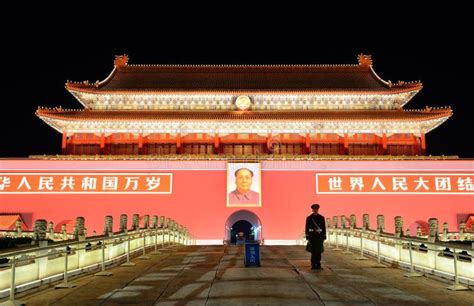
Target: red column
column 415, row 145
column 64, row 143
column 178, row 144
column 216, row 143
column 102, row 143
column 308, row 143
column 346, row 144
column 318, row 142
column 384, row 143
column 140, row 143
column 423, row 144
column 269, row 143
column 73, row 143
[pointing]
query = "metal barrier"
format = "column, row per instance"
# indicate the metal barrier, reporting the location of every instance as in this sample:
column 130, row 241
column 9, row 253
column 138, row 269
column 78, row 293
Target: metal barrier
column 34, row 266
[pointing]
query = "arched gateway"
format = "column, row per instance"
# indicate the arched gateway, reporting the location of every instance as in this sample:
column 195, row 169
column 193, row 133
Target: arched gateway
column 243, row 221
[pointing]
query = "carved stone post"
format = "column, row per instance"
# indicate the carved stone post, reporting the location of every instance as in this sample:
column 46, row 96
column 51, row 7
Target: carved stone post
column 353, row 222
column 365, row 222
column 18, row 228
column 123, row 223
column 462, row 231
column 146, row 221
column 398, row 226
column 40, row 230
column 162, row 221
column 445, row 231
column 334, row 219
column 343, row 222
column 63, row 231
column 434, row 230
column 407, row 232
column 418, row 231
column 135, row 222
column 328, row 223
column 51, row 229
column 79, row 232
column 155, row 221
column 108, row 226
column 380, row 223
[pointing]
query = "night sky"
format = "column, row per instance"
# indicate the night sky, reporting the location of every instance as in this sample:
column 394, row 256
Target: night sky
column 35, row 69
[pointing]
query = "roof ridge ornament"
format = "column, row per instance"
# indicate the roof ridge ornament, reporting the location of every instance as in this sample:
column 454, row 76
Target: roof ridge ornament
column 121, row 60
column 365, row 60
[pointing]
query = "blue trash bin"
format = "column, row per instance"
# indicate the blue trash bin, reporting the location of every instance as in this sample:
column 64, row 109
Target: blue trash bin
column 252, row 255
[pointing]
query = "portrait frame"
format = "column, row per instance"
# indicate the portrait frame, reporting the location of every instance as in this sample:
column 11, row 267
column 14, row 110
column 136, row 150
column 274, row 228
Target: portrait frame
column 255, row 187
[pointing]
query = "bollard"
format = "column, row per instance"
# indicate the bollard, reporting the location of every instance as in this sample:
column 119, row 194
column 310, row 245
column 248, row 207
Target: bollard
column 144, row 256
column 379, row 263
column 412, row 272
column 361, row 257
column 103, row 272
column 128, row 263
column 66, row 283
column 456, row 286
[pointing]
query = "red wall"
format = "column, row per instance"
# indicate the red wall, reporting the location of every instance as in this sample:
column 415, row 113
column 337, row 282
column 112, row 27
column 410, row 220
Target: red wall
column 198, row 200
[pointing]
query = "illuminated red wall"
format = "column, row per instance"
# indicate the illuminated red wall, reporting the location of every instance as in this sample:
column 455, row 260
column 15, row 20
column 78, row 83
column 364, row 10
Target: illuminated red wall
column 198, row 200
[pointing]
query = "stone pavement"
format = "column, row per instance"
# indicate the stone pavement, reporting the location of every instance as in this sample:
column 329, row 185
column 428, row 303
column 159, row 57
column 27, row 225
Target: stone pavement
column 215, row 275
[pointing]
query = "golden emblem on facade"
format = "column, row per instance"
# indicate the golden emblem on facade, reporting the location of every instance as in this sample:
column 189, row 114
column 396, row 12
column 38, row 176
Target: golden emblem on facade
column 243, row 102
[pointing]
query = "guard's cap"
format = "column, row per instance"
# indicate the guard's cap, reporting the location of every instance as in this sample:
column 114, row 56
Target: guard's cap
column 314, row 206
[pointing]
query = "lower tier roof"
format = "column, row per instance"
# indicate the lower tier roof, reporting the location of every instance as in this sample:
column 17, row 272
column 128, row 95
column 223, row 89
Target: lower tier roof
column 411, row 121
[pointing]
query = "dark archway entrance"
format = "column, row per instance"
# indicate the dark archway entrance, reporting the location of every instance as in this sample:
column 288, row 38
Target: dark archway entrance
column 242, row 226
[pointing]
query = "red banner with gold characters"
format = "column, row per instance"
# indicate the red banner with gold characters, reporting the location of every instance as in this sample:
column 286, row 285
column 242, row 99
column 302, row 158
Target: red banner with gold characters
column 51, row 183
column 394, row 183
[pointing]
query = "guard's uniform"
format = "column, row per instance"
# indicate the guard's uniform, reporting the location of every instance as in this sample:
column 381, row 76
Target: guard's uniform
column 316, row 237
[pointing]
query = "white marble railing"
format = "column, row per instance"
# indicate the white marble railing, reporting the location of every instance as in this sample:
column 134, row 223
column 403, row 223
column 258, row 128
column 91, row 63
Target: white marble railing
column 44, row 264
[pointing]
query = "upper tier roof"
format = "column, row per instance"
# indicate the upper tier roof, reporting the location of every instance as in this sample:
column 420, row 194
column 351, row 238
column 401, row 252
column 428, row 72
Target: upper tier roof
column 358, row 78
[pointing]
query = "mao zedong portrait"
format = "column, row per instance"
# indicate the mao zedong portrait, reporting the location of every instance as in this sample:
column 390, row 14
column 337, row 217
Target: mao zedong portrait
column 242, row 193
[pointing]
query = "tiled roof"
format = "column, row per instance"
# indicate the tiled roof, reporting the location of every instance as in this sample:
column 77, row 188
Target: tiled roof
column 318, row 115
column 8, row 222
column 253, row 78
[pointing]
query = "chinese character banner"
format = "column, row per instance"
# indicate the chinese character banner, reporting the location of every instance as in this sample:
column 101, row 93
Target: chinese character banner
column 394, row 183
column 156, row 183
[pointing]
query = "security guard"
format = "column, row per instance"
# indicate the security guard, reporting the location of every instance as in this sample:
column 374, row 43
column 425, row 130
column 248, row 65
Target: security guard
column 315, row 232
